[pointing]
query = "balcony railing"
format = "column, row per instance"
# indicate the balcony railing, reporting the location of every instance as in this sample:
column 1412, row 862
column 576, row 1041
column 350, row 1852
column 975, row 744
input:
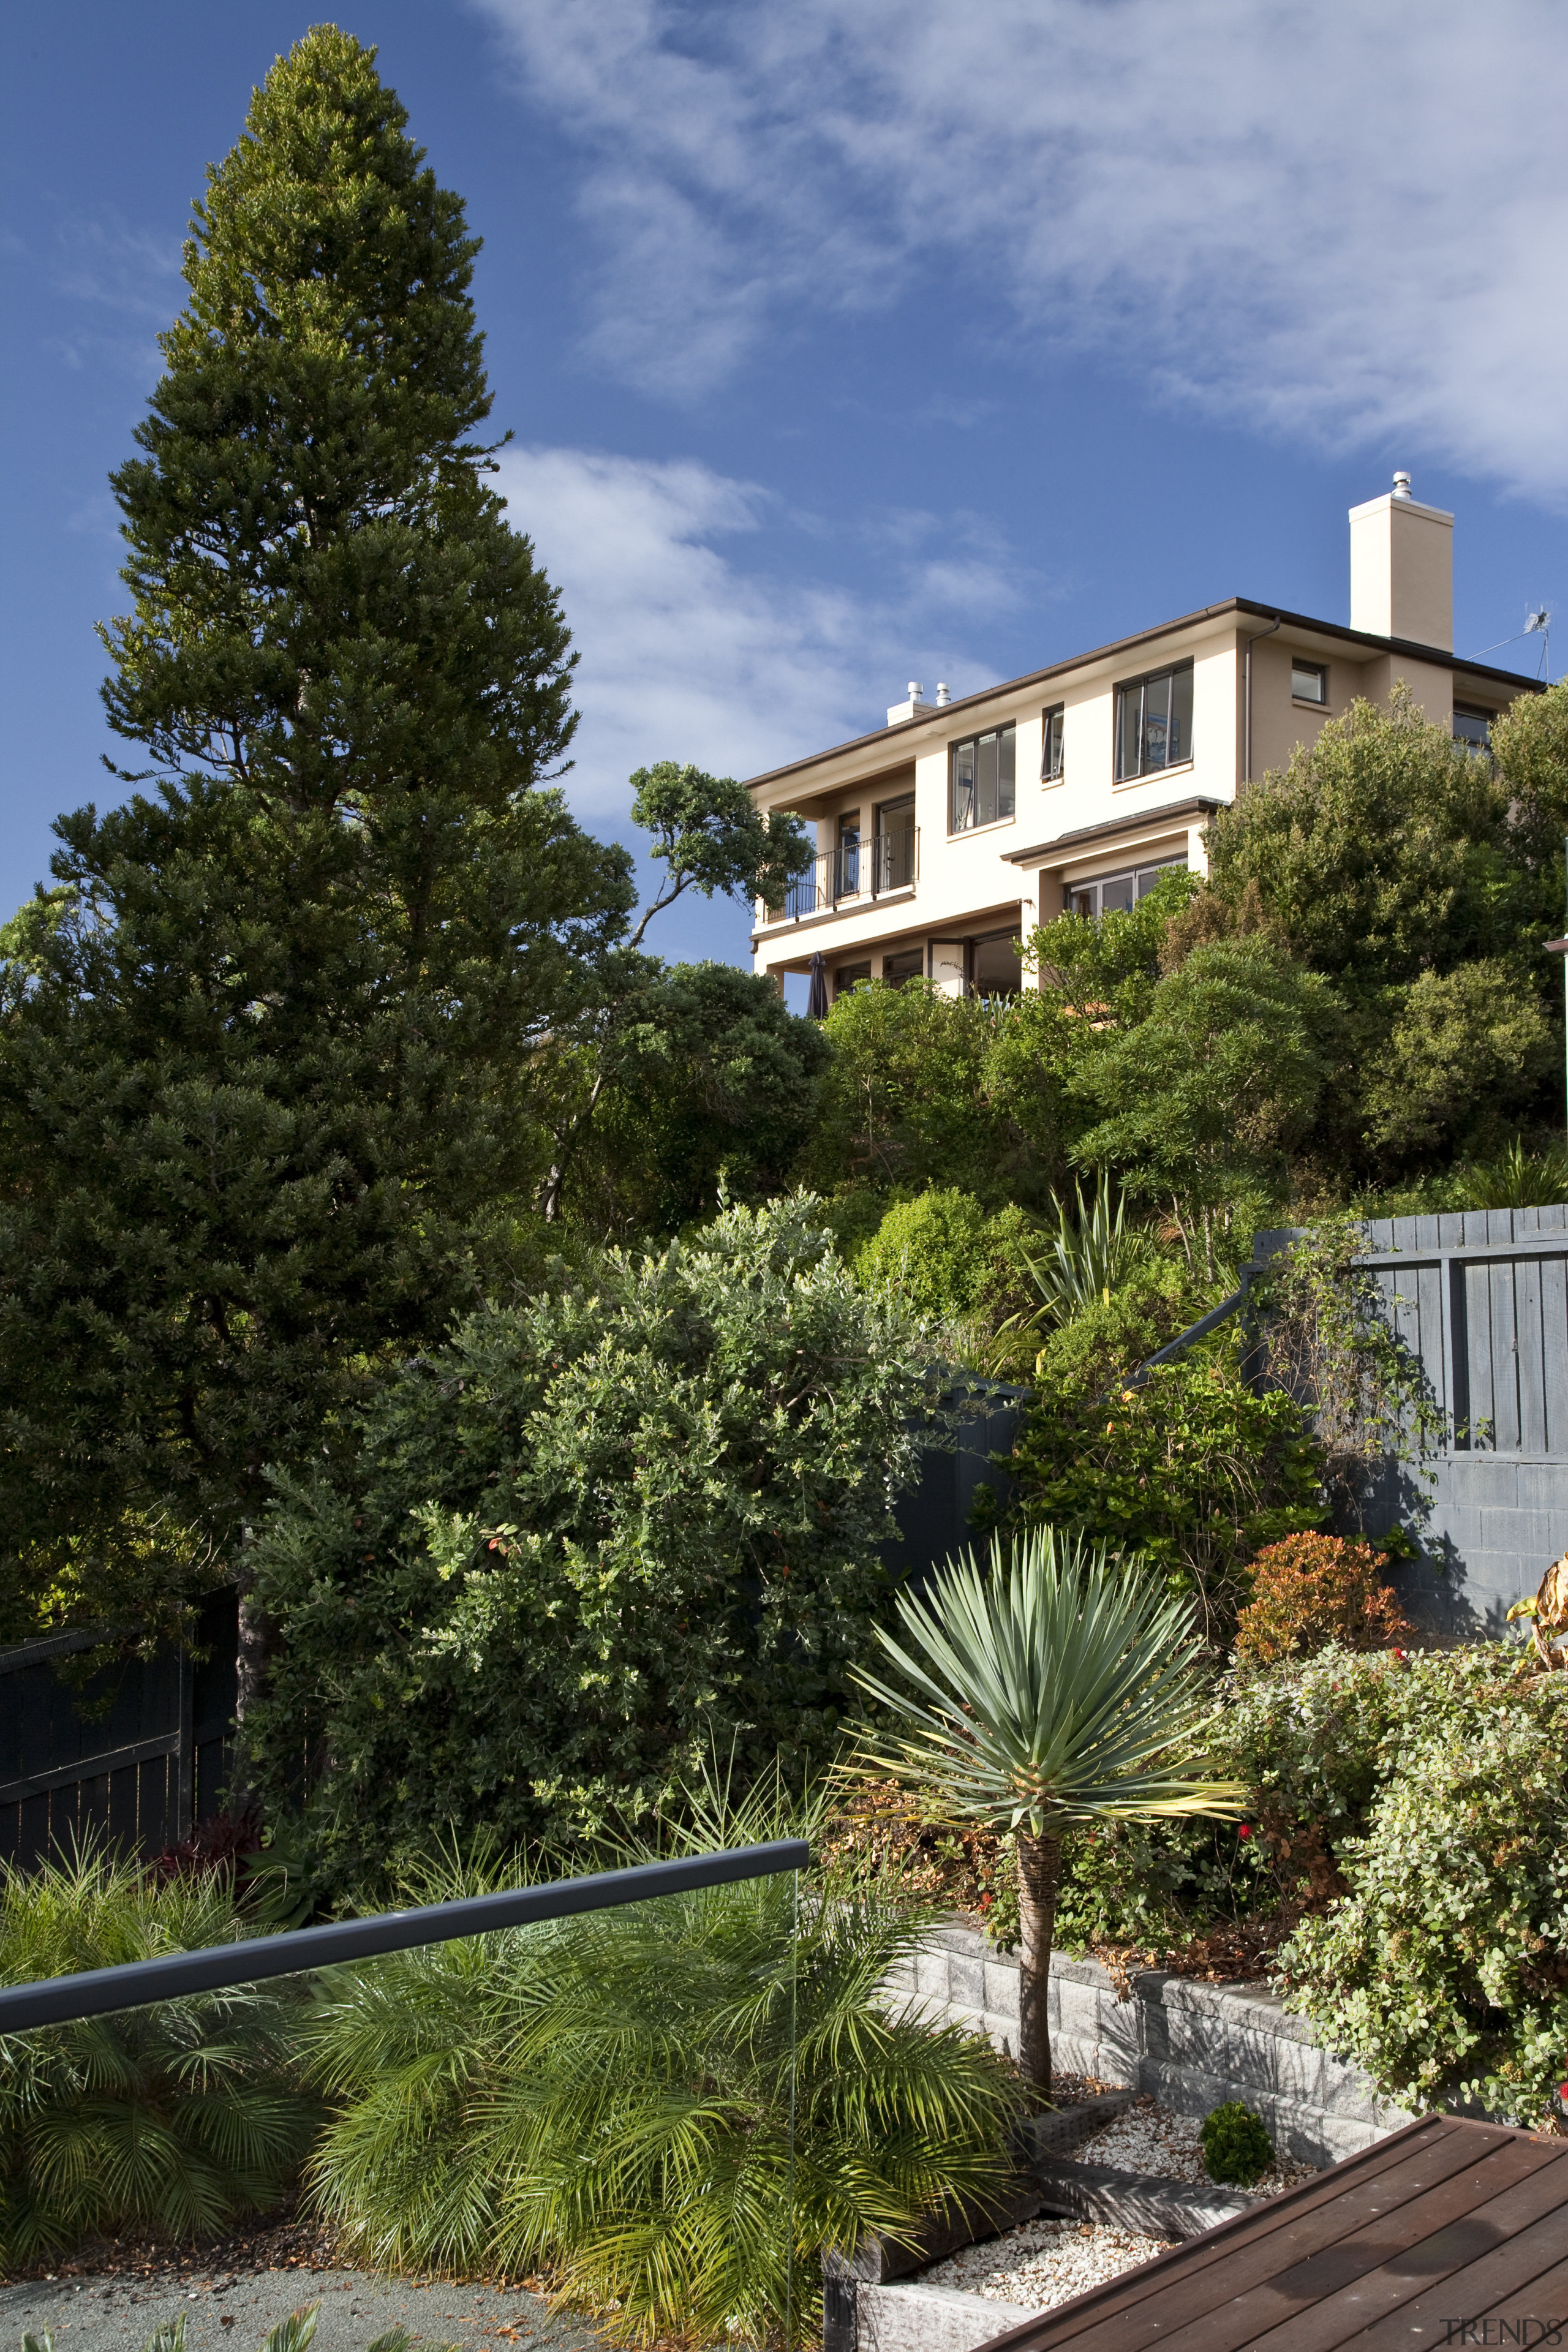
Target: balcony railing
column 868, row 867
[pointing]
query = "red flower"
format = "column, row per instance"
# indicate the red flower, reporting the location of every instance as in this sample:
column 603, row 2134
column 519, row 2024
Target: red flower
column 1243, row 1829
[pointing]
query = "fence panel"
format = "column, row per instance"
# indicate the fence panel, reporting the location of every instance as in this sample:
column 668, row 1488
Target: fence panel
column 1481, row 1299
column 138, row 1756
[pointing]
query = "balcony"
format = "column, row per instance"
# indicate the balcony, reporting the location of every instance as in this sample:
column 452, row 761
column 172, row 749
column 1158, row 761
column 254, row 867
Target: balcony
column 877, row 866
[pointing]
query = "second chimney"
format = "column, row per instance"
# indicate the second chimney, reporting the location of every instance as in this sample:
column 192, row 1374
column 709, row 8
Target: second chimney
column 1402, row 569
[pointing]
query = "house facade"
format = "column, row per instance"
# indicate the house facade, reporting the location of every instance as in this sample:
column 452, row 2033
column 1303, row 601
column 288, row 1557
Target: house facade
column 949, row 833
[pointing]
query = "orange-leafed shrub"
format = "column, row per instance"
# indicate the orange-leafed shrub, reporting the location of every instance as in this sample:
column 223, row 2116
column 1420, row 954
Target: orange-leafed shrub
column 1313, row 1590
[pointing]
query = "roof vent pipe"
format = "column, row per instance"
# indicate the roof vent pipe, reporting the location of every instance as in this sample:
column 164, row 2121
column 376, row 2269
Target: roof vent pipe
column 1402, row 485
column 917, row 691
column 943, row 697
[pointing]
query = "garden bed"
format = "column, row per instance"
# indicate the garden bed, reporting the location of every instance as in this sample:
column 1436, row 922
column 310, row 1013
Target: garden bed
column 1046, row 2262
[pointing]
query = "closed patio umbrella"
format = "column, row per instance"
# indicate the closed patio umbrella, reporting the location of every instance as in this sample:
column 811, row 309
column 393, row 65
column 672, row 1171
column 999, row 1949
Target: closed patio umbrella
column 816, row 1003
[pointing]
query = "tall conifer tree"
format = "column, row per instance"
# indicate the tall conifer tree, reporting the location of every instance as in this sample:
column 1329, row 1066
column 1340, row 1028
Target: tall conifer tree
column 265, row 1050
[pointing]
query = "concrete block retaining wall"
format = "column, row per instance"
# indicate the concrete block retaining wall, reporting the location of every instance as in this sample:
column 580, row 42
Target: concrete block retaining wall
column 1192, row 2045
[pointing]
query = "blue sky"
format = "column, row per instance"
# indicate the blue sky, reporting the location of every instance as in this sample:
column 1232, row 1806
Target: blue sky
column 847, row 343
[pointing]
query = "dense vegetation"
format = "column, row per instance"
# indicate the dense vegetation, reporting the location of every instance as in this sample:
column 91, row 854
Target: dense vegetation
column 594, row 1533
column 541, row 1336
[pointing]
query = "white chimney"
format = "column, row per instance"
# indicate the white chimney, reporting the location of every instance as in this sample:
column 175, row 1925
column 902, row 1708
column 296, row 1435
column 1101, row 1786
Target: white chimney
column 1402, row 569
column 943, row 697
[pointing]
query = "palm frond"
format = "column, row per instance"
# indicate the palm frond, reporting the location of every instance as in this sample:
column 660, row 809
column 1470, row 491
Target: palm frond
column 174, row 2117
column 615, row 2099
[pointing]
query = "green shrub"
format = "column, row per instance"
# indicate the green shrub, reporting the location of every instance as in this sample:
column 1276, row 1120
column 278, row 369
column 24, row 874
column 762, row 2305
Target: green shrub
column 1193, row 1470
column 611, row 2097
column 593, row 1533
column 1445, row 1970
column 1236, row 2147
column 1153, row 1883
column 931, row 1248
column 1309, row 1738
column 172, row 2118
column 1097, row 1347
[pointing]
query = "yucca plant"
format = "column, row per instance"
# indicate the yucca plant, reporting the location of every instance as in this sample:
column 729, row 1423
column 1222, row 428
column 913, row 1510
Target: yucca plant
column 670, row 2108
column 1055, row 1689
column 1091, row 1249
column 171, row 2118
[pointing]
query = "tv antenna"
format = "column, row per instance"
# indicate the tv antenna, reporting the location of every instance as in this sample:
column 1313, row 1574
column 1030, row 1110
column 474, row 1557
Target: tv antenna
column 1537, row 623
column 1540, row 619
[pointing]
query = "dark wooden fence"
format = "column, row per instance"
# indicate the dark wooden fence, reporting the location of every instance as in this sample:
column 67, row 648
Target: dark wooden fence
column 1480, row 1297
column 137, row 1756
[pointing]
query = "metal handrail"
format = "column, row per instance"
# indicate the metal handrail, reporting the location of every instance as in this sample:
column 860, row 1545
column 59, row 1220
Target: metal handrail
column 875, row 864
column 94, row 1991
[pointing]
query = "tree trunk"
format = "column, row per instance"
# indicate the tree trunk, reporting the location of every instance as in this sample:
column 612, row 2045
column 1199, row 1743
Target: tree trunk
column 1039, row 1877
column 253, row 1672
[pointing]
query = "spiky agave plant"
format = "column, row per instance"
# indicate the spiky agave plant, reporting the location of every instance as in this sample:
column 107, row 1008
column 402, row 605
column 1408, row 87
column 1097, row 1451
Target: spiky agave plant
column 171, row 2118
column 671, row 2107
column 1056, row 1689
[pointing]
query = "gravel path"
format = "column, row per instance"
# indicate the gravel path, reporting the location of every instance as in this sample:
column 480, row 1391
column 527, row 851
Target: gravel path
column 234, row 2311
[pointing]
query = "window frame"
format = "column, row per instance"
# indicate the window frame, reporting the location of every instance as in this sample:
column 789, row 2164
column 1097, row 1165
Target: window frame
column 1140, row 687
column 1007, row 728
column 1097, row 882
column 1319, row 670
column 848, row 847
column 970, row 956
column 1052, row 773
column 1473, row 711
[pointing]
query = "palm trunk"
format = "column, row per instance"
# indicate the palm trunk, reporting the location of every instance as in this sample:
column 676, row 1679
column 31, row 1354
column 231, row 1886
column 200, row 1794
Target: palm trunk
column 1039, row 1878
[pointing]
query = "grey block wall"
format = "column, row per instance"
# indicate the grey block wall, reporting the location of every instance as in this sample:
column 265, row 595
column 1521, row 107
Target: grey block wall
column 1192, row 2045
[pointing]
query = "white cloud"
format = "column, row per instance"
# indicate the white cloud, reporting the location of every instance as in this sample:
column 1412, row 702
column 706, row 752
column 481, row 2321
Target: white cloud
column 1346, row 223
column 686, row 655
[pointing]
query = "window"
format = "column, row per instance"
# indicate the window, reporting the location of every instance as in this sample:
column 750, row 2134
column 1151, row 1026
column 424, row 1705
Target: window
column 1309, row 681
column 995, row 968
column 849, row 854
column 981, row 787
column 1051, row 746
column 1119, row 893
column 1473, row 726
column 909, row 963
column 893, row 844
column 850, row 975
column 1154, row 722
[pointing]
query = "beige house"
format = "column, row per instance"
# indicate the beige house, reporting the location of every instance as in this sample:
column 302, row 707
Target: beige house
column 951, row 832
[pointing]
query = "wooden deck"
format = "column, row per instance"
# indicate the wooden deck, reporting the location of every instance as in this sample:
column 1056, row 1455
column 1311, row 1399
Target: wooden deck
column 1445, row 2232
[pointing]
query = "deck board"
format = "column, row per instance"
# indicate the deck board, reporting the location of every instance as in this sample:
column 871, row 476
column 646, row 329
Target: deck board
column 1446, row 2221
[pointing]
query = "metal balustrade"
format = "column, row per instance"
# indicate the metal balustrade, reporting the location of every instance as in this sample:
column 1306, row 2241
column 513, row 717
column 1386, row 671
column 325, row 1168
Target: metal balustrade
column 95, row 1992
column 870, row 866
